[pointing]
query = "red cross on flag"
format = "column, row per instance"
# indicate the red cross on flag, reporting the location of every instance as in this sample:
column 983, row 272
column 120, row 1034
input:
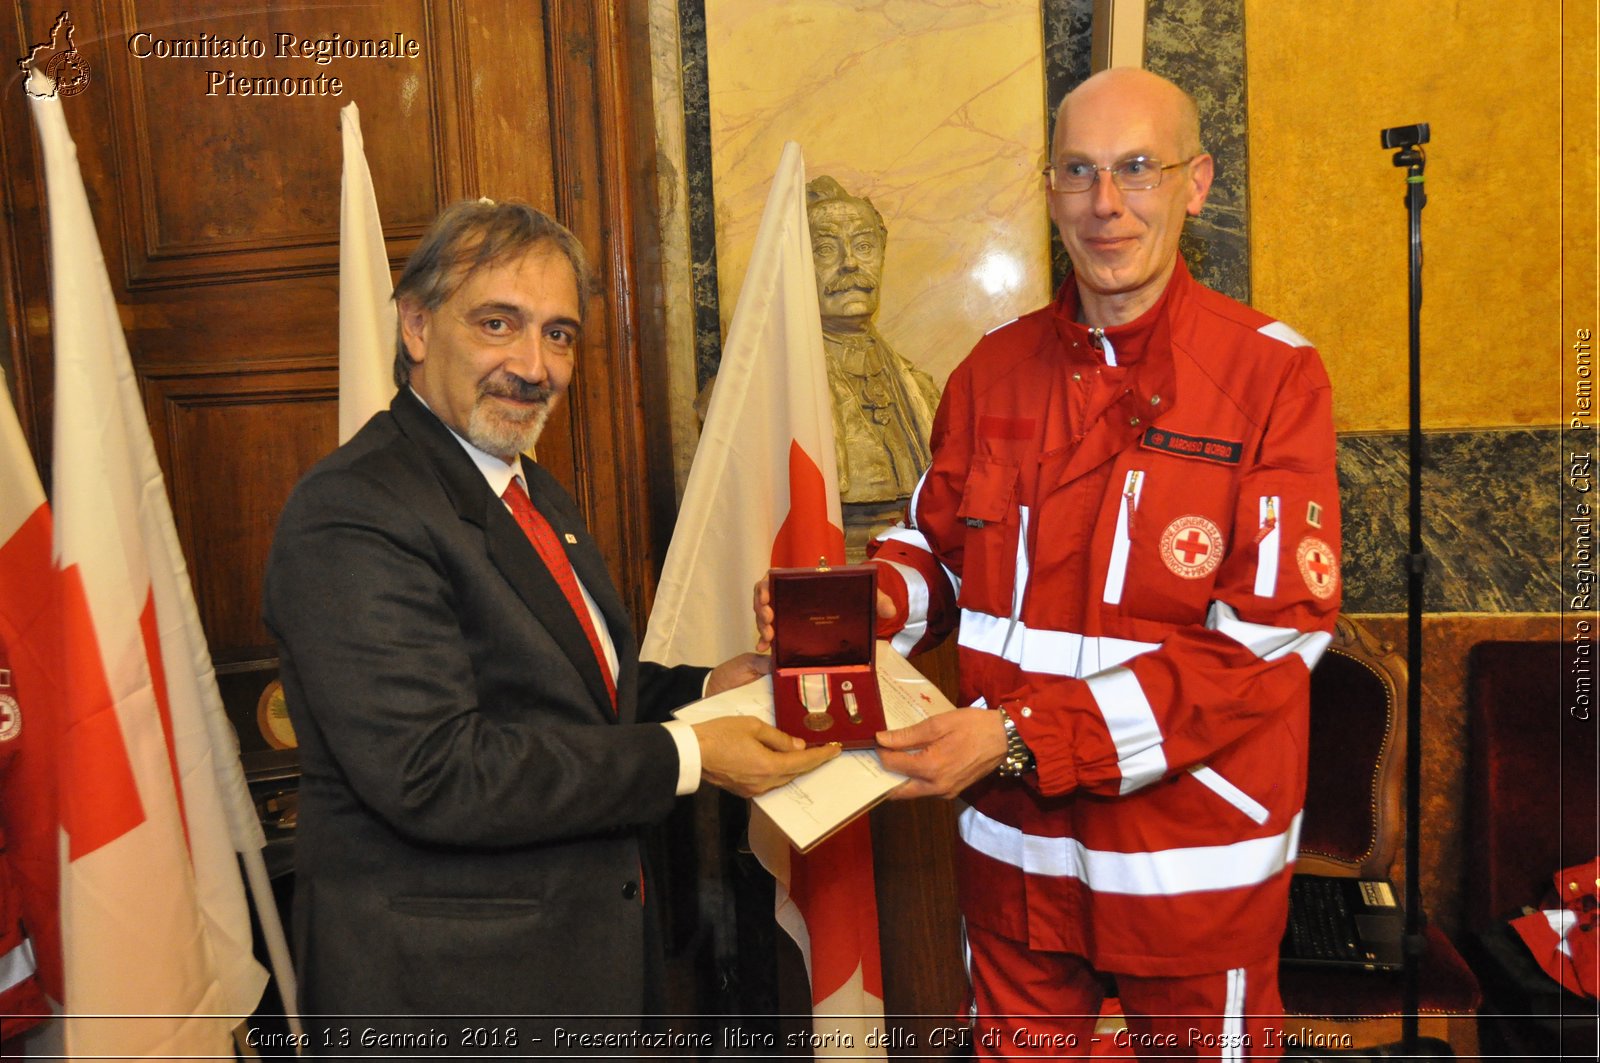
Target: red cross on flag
column 764, row 491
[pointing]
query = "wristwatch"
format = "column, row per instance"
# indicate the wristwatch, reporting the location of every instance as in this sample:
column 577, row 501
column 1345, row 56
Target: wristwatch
column 1019, row 758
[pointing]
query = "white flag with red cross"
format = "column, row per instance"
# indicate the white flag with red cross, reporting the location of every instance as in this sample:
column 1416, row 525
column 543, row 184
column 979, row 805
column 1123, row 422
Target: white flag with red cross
column 763, row 491
column 156, row 936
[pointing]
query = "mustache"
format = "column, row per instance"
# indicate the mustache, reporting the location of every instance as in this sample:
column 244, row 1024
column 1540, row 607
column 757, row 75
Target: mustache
column 517, row 389
column 851, row 284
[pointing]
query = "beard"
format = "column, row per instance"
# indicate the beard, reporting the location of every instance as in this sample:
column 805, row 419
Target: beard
column 507, row 432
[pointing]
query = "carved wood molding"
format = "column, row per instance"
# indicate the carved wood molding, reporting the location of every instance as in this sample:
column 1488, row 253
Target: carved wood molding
column 233, row 441
column 141, row 98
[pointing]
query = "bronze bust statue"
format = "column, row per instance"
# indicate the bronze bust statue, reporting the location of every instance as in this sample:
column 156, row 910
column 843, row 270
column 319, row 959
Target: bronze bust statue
column 883, row 405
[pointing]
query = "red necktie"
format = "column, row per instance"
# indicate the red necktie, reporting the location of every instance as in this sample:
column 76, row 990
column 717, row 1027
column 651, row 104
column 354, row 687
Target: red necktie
column 543, row 538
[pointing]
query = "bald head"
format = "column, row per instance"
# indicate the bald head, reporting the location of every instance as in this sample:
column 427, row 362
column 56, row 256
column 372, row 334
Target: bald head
column 1170, row 112
column 1123, row 242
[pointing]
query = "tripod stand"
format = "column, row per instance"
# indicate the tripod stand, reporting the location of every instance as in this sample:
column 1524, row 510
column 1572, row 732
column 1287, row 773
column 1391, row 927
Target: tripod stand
column 1409, row 139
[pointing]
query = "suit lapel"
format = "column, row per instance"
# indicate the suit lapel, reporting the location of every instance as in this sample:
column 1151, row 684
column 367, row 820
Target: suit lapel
column 508, row 548
column 552, row 500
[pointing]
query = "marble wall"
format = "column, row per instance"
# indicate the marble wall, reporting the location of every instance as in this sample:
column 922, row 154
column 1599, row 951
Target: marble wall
column 938, row 110
column 1068, row 47
column 1329, row 248
column 676, row 107
column 1328, row 251
column 930, row 108
column 1200, row 45
column 1490, row 515
column 933, row 109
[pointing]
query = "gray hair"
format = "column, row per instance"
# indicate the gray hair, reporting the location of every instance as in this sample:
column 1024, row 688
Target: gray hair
column 471, row 235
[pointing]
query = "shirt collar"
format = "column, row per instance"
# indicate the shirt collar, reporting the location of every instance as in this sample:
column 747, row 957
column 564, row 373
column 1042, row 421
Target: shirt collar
column 496, row 472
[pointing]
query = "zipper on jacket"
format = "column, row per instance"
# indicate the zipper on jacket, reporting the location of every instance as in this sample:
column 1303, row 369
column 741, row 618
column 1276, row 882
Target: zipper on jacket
column 1117, row 570
column 1267, row 547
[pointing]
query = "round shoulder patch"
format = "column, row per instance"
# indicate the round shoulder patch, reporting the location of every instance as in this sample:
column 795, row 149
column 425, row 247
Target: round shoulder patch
column 10, row 718
column 1319, row 566
column 1192, row 547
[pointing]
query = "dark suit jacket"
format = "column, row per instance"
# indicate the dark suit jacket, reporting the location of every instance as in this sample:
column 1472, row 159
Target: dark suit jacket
column 469, row 805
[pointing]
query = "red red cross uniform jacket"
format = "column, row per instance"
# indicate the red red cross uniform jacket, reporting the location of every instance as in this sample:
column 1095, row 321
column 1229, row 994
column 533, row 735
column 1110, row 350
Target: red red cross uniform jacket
column 1142, row 550
column 22, row 1002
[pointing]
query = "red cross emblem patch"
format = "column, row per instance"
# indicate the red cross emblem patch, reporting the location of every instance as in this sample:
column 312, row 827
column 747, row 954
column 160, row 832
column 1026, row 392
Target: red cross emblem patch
column 1319, row 566
column 1192, row 547
column 10, row 718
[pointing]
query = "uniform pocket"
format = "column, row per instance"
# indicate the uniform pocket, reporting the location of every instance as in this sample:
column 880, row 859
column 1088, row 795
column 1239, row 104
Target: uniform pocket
column 1179, row 524
column 992, row 536
column 990, row 494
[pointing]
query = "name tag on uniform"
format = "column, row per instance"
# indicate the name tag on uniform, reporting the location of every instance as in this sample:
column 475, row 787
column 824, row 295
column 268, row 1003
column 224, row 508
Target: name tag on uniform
column 1222, row 451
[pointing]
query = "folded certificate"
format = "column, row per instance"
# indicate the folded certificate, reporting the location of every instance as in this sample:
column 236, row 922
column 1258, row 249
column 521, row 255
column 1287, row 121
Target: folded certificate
column 818, row 803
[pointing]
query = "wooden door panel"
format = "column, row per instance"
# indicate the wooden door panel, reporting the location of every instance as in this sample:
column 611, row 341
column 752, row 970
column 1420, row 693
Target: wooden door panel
column 219, row 218
column 287, row 417
column 240, row 185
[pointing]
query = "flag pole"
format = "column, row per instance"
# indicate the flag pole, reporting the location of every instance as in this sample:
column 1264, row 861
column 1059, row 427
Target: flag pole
column 255, row 868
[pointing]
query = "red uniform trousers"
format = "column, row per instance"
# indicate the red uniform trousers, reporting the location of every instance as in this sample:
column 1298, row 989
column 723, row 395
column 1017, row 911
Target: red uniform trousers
column 1034, row 1003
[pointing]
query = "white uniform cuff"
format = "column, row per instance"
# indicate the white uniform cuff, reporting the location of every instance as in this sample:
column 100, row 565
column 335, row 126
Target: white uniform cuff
column 688, row 755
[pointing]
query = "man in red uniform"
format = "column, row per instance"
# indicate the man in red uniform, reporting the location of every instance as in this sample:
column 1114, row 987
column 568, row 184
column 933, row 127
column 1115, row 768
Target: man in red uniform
column 1133, row 514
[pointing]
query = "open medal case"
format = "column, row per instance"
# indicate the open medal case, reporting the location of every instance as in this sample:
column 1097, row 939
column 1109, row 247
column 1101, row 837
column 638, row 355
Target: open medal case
column 824, row 675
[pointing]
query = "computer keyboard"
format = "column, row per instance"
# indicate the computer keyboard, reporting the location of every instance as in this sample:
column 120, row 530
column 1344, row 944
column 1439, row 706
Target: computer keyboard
column 1320, row 923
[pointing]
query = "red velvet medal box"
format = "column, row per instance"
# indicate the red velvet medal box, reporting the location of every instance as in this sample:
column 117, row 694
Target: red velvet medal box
column 824, row 674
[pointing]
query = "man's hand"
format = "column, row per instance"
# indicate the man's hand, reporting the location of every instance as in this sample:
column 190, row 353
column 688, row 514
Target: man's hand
column 745, row 668
column 944, row 754
column 746, row 757
column 762, row 602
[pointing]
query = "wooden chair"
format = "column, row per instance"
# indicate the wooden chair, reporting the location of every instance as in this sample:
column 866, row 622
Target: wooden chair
column 1352, row 827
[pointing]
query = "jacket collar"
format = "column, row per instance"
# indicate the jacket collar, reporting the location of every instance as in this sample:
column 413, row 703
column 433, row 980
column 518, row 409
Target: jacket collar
column 511, row 553
column 1148, row 335
column 1144, row 345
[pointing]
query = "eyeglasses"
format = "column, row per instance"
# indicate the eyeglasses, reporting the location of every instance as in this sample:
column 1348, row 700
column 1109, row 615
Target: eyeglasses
column 1138, row 174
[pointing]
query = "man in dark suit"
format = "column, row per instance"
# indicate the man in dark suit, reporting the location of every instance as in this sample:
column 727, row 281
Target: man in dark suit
column 479, row 744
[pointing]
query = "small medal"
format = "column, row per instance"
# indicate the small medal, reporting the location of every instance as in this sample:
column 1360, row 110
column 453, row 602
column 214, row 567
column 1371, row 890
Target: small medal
column 814, row 696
